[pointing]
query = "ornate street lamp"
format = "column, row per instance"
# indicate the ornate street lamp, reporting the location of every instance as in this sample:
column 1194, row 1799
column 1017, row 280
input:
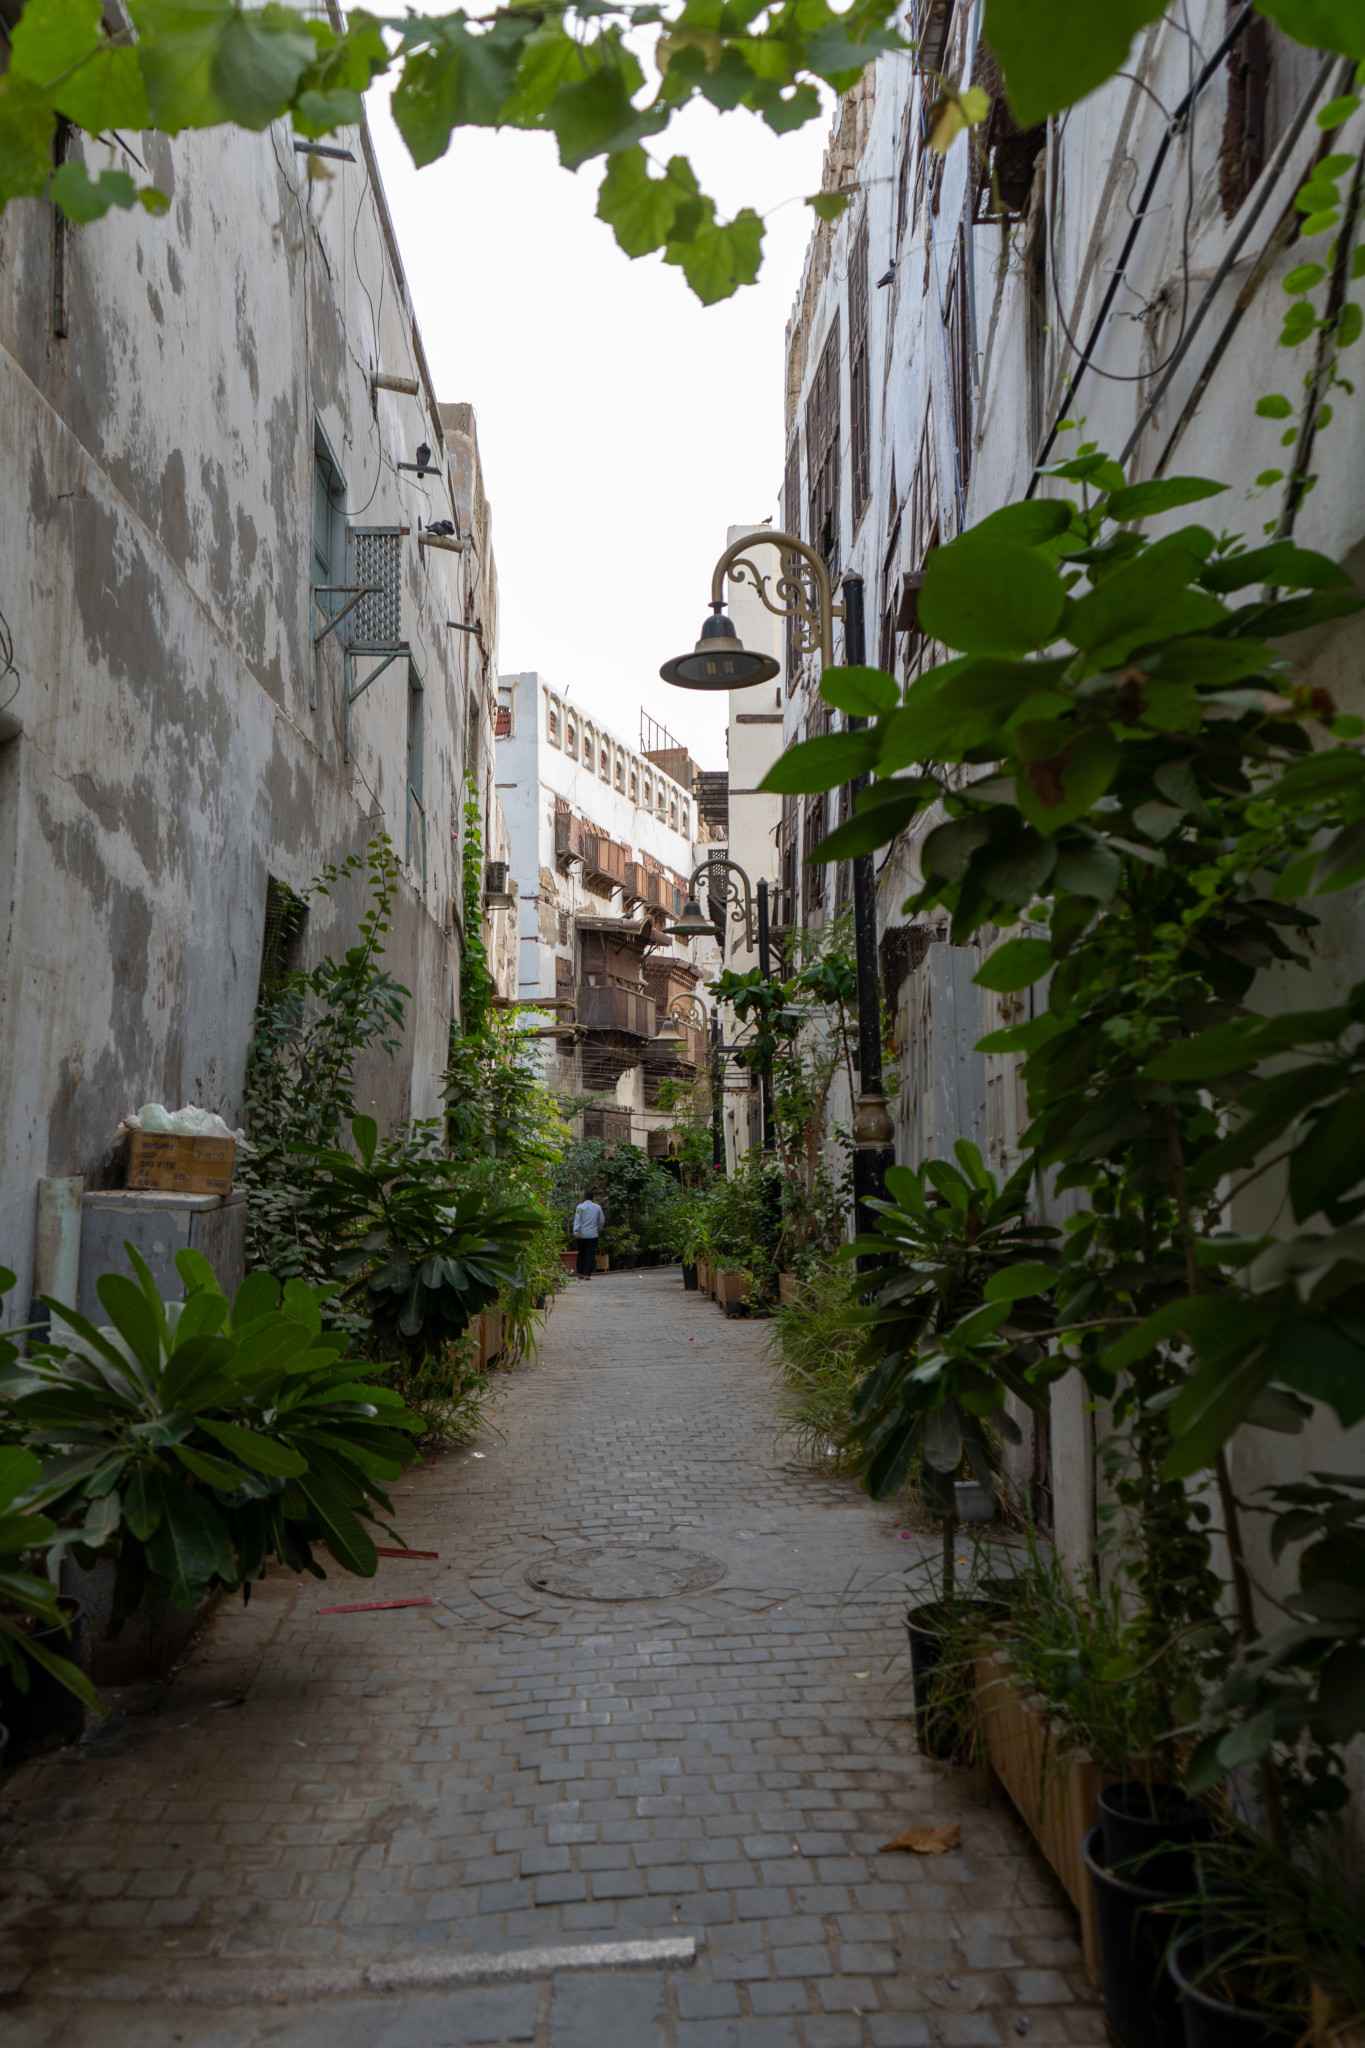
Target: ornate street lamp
column 694, row 923
column 806, row 598
column 719, row 660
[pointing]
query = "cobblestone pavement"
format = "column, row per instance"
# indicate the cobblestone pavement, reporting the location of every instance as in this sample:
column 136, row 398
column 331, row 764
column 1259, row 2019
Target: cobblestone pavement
column 513, row 1768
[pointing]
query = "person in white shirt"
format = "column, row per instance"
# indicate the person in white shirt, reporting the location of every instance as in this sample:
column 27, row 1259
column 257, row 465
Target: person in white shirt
column 588, row 1219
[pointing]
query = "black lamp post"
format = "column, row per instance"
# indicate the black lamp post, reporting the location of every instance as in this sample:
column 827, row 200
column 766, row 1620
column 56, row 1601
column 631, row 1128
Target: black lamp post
column 873, row 1131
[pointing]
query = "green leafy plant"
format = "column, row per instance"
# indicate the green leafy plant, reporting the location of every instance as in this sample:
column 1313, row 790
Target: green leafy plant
column 949, row 1329
column 565, row 69
column 423, row 1253
column 198, row 1438
column 815, row 1350
column 309, row 1031
column 29, row 1603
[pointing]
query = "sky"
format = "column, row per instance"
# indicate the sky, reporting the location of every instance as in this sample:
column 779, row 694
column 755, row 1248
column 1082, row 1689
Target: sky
column 622, row 425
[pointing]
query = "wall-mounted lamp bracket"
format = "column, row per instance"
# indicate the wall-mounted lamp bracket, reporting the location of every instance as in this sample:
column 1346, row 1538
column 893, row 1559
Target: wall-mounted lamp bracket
column 353, row 593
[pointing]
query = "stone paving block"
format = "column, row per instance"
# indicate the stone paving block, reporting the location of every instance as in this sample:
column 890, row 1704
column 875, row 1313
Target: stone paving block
column 591, row 2010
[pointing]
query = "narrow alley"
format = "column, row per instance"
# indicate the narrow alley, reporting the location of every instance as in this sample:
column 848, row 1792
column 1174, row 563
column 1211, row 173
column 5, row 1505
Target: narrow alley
column 659, row 1695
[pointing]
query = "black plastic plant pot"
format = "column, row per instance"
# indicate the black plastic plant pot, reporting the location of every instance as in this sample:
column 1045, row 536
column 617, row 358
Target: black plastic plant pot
column 1134, row 1924
column 690, row 1279
column 943, row 1692
column 47, row 1708
column 1150, row 1833
column 1210, row 2021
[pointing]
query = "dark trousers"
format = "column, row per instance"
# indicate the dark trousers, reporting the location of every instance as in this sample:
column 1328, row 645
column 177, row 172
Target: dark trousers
column 587, row 1257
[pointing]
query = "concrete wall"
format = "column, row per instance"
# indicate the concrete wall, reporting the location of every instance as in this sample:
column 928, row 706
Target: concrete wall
column 1030, row 282
column 182, row 740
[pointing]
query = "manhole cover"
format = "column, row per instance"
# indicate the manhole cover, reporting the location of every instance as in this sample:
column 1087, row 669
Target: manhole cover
column 624, row 1571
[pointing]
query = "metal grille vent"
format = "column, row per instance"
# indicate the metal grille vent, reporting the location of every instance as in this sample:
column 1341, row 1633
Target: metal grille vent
column 378, row 560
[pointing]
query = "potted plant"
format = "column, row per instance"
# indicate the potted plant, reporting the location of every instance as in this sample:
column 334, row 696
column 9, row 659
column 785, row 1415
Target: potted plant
column 200, row 1438
column 961, row 1280
column 43, row 1690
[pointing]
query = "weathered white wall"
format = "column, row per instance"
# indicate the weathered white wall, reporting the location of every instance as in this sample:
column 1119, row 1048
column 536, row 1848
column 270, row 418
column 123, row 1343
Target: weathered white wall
column 181, row 739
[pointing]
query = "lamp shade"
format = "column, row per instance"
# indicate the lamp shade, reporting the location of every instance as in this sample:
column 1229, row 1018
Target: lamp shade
column 719, row 661
column 693, row 924
column 667, row 1038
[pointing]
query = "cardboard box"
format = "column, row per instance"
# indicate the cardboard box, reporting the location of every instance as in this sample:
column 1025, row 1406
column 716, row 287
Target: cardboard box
column 187, row 1166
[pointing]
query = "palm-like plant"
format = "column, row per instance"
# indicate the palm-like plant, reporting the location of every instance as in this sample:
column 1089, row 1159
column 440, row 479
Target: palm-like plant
column 950, row 1328
column 195, row 1439
column 421, row 1253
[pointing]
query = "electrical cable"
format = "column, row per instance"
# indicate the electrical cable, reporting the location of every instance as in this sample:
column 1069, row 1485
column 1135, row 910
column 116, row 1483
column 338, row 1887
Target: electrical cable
column 1111, row 292
column 1155, row 369
column 1269, row 178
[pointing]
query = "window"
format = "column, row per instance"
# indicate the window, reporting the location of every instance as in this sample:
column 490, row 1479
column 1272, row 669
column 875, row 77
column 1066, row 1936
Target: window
column 858, row 380
column 620, row 773
column 931, row 23
column 604, row 763
column 285, row 917
column 814, row 833
column 659, row 806
column 958, row 348
column 673, row 812
column 924, row 531
column 1268, row 76
column 904, row 210
column 787, row 834
column 416, row 828
column 329, row 522
column 552, row 722
column 822, row 452
column 571, row 733
column 649, row 794
column 684, row 824
column 634, row 786
column 587, row 750
column 791, row 521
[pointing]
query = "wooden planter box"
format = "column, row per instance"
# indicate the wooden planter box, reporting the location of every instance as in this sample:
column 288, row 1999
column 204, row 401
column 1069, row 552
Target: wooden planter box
column 569, row 1261
column 703, row 1278
column 487, row 1331
column 1058, row 1799
column 731, row 1288
column 604, row 1262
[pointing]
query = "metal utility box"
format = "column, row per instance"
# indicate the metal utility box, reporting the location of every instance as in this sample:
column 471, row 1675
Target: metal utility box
column 159, row 1225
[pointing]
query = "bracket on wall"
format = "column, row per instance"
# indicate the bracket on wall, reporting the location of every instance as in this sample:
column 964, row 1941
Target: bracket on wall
column 390, row 654
column 352, row 591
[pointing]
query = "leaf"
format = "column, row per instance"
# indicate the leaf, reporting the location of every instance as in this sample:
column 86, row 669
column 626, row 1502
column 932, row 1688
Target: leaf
column 925, row 1840
column 1280, row 562
column 829, row 205
column 131, row 1314
column 1087, row 869
column 1015, row 965
column 870, row 828
column 862, row 692
column 1057, row 790
column 1015, row 869
column 213, row 1471
column 65, row 1672
column 1320, row 24
column 1314, row 1356
column 990, row 597
column 462, row 79
column 1031, row 522
column 345, row 1535
column 1144, row 601
column 189, row 1545
column 1048, row 68
column 260, row 57
column 1248, row 1743
column 1140, row 501
column 260, row 1452
column 823, row 763
column 643, row 211
column 594, row 116
column 365, row 1132
column 1342, row 860
column 258, row 1295
column 1341, row 1692
column 720, row 257
column 1018, row 1283
column 1330, row 1160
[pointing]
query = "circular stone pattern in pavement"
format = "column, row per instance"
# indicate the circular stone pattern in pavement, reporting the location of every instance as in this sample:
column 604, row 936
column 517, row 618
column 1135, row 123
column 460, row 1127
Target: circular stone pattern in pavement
column 624, row 1571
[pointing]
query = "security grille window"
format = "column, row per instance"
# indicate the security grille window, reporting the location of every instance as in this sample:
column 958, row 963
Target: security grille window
column 787, row 835
column 958, row 348
column 931, row 23
column 378, row 552
column 822, row 452
column 924, row 532
column 791, row 522
column 564, row 937
column 1268, row 75
column 858, row 380
column 904, row 210
column 416, row 820
column 815, row 830
column 329, row 524
column 285, row 916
